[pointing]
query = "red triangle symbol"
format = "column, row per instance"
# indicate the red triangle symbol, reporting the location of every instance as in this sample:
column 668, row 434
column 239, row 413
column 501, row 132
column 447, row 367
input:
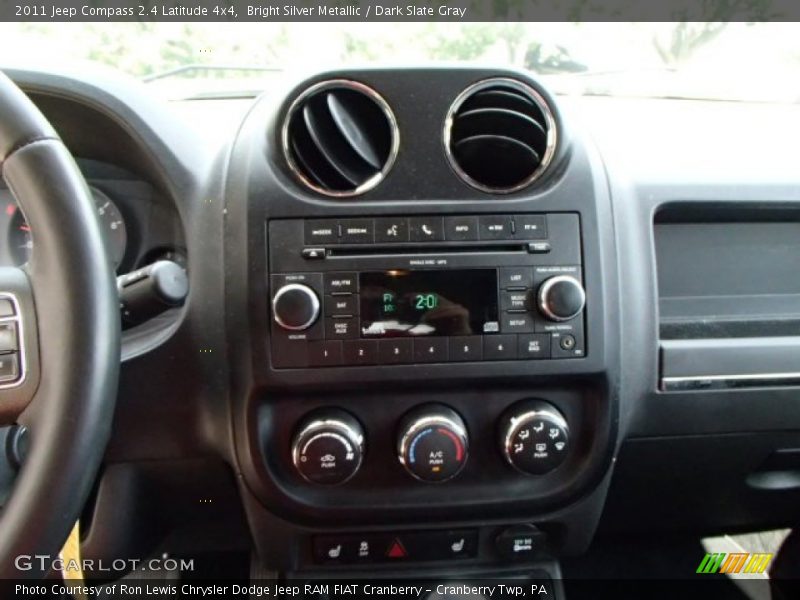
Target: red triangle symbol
column 396, row 550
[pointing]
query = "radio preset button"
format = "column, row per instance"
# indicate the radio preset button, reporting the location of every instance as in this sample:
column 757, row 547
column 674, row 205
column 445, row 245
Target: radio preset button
column 516, row 278
column 530, row 227
column 461, row 229
column 357, row 231
column 466, row 348
column 341, row 328
column 391, row 229
column 430, row 350
column 395, row 351
column 341, row 283
column 534, row 346
column 344, row 305
column 500, row 347
column 360, row 352
column 325, row 354
column 517, row 322
column 321, row 231
column 426, row 229
column 496, row 227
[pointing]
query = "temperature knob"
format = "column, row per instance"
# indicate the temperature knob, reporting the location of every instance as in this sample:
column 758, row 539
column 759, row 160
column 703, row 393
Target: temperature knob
column 561, row 298
column 534, row 437
column 433, row 443
column 295, row 307
column 328, row 447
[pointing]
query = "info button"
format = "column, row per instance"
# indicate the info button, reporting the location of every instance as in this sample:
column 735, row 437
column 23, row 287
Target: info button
column 461, row 229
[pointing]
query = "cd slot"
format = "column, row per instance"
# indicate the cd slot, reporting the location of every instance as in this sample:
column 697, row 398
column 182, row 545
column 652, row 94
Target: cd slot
column 440, row 248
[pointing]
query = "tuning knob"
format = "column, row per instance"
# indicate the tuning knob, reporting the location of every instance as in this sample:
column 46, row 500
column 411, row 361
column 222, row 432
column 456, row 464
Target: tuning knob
column 433, row 443
column 328, row 447
column 561, row 298
column 295, row 307
column 534, row 437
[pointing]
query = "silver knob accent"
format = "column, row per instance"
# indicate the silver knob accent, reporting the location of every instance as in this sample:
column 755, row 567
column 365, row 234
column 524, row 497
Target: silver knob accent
column 307, row 295
column 574, row 305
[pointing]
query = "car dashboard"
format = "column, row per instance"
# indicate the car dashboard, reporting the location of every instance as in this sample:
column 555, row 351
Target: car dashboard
column 440, row 320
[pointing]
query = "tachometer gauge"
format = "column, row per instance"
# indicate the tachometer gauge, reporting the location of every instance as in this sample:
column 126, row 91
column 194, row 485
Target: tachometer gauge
column 112, row 226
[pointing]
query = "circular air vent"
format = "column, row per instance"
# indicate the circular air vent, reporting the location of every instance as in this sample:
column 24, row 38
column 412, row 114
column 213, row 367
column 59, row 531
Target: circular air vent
column 499, row 135
column 340, row 138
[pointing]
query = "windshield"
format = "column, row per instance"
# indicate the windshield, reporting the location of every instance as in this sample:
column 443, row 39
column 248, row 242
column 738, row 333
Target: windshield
column 713, row 61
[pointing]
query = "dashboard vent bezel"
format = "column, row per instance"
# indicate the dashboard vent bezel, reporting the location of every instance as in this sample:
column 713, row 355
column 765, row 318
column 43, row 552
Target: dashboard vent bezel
column 551, row 134
column 298, row 170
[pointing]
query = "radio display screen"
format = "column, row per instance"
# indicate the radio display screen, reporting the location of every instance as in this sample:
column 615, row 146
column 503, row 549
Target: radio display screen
column 408, row 303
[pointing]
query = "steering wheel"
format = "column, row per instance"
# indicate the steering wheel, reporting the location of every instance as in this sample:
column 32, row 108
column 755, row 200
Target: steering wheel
column 60, row 336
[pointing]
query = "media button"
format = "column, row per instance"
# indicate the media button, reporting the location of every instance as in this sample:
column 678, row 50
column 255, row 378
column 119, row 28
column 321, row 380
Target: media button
column 357, row 231
column 395, row 351
column 321, row 232
column 341, row 328
column 530, row 227
column 324, row 354
column 430, row 350
column 516, row 300
column 500, row 347
column 516, row 322
column 533, row 346
column 465, row 348
column 344, row 305
column 391, row 229
column 496, row 227
column 426, row 229
column 341, row 283
column 461, row 229
column 360, row 352
column 516, row 278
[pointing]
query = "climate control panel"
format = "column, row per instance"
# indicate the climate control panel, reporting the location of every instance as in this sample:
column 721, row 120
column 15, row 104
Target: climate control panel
column 432, row 442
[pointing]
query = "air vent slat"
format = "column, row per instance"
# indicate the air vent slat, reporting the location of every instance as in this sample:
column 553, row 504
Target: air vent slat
column 340, row 138
column 500, row 135
column 500, row 121
column 332, row 145
column 353, row 129
column 518, row 159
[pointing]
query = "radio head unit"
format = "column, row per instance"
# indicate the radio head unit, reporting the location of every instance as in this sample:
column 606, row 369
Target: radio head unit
column 511, row 293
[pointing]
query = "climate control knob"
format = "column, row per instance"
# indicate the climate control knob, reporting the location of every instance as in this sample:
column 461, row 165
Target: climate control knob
column 295, row 307
column 433, row 443
column 534, row 437
column 561, row 298
column 328, row 447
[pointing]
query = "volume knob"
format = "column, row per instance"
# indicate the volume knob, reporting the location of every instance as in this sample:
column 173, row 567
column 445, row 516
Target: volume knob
column 295, row 307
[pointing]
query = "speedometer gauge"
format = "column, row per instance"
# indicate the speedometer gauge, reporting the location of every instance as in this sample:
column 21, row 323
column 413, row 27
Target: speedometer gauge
column 111, row 222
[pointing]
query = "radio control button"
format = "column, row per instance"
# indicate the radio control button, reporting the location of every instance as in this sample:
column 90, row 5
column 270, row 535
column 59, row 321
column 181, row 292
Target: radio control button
column 360, row 352
column 530, row 227
column 321, row 232
column 516, row 277
column 533, row 346
column 345, row 305
column 392, row 229
column 500, row 347
column 341, row 328
column 520, row 301
column 341, row 283
column 324, row 354
column 395, row 351
column 516, row 322
column 497, row 227
column 461, row 229
column 426, row 229
column 466, row 348
column 357, row 231
column 430, row 350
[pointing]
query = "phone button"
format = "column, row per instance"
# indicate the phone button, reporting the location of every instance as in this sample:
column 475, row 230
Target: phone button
column 426, row 229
